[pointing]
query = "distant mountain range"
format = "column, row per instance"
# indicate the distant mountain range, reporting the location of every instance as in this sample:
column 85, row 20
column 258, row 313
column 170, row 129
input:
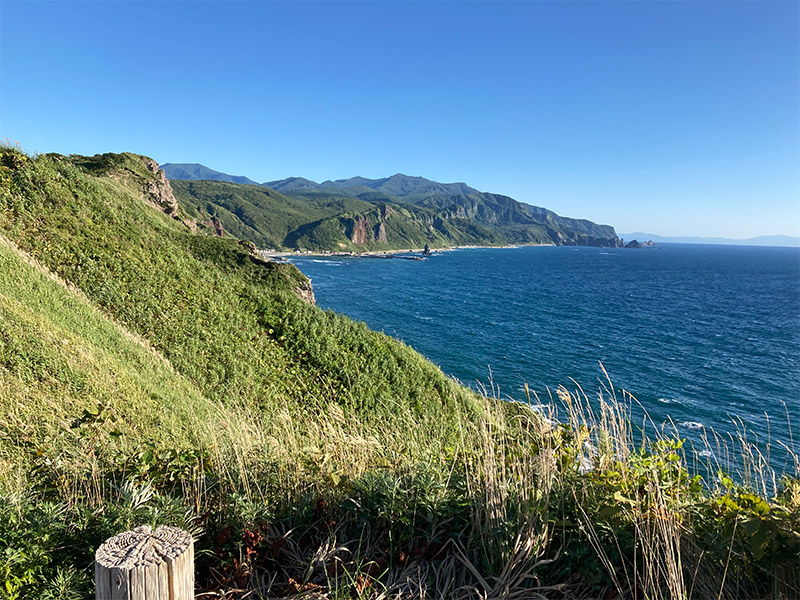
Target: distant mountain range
column 372, row 214
column 398, row 185
column 763, row 240
column 198, row 172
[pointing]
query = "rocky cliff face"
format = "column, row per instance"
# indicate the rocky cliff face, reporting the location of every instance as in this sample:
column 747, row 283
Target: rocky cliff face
column 305, row 292
column 158, row 191
column 370, row 227
column 357, row 230
column 380, row 233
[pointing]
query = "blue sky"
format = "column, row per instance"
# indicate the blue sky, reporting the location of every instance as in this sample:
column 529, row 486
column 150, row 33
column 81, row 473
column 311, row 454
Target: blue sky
column 677, row 118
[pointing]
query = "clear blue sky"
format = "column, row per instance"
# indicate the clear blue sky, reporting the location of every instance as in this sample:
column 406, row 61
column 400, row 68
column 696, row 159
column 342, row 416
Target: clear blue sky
column 677, row 118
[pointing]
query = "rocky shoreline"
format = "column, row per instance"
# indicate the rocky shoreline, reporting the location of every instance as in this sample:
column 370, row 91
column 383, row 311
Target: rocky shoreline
column 283, row 255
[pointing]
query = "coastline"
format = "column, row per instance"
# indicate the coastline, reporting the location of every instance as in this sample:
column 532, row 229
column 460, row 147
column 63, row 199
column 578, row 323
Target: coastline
column 381, row 253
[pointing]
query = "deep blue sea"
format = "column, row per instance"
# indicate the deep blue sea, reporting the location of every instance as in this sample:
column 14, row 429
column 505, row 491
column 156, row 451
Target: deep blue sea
column 700, row 334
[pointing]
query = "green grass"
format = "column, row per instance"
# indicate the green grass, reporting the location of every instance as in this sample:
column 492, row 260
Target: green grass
column 149, row 374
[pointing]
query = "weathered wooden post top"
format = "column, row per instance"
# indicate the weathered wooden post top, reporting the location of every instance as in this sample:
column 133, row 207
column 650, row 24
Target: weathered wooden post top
column 146, row 565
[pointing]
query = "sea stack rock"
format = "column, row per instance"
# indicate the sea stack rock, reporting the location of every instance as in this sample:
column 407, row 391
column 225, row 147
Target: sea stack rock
column 426, row 251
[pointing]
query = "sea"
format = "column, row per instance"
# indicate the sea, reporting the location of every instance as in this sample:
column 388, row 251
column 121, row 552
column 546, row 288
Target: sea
column 706, row 338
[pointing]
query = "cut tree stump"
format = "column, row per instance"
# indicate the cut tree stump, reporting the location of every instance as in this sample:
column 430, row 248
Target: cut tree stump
column 145, row 565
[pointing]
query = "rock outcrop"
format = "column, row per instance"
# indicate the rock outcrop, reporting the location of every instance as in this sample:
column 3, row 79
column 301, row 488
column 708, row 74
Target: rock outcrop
column 158, row 191
column 305, row 292
column 380, row 233
column 216, row 226
column 357, row 231
column 250, row 247
column 638, row 244
column 365, row 228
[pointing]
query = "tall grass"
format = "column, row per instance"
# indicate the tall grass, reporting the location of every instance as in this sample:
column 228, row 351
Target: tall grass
column 337, row 506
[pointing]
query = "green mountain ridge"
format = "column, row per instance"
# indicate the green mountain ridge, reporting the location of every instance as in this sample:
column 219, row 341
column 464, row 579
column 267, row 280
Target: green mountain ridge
column 423, row 212
column 397, row 185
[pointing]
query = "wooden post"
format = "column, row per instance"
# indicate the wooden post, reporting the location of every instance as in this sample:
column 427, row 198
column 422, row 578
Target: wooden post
column 145, row 565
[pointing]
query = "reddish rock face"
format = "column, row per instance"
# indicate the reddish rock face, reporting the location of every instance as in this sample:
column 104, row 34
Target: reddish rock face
column 358, row 231
column 361, row 230
column 380, row 233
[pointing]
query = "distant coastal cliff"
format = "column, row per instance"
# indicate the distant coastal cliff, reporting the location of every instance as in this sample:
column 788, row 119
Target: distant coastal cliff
column 373, row 214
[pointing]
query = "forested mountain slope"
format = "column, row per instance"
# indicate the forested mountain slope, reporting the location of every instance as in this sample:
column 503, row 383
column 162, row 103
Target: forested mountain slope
column 372, row 214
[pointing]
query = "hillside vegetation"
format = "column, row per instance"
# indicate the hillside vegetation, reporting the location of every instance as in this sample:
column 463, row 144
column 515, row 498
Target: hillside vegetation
column 356, row 214
column 153, row 374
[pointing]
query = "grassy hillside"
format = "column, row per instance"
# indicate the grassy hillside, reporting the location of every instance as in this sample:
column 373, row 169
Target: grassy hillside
column 263, row 216
column 221, row 330
column 151, row 374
